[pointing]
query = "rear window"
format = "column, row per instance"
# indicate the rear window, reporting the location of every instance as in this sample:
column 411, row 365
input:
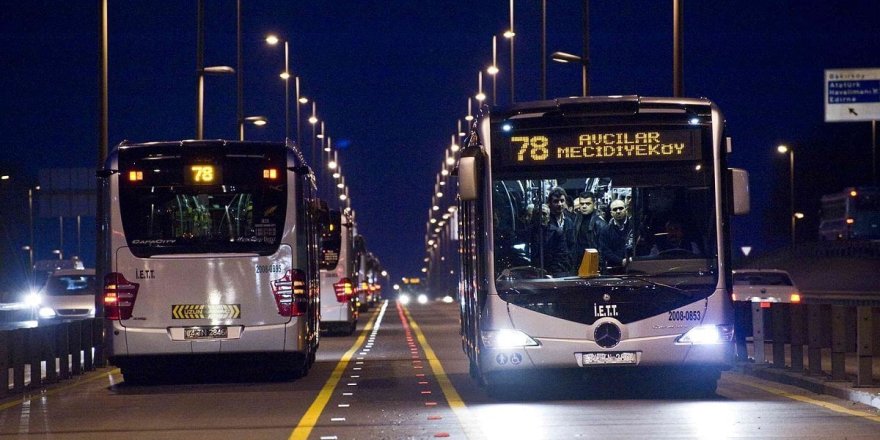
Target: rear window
column 61, row 285
column 203, row 199
column 761, row 279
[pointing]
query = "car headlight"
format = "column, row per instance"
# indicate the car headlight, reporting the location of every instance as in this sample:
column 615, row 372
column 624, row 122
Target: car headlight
column 422, row 298
column 706, row 335
column 33, row 299
column 46, row 313
column 506, row 338
column 403, row 298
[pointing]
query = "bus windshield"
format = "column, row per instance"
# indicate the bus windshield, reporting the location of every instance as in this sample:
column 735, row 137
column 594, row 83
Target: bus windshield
column 209, row 202
column 641, row 222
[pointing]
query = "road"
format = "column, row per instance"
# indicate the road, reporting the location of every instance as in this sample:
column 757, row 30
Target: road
column 403, row 376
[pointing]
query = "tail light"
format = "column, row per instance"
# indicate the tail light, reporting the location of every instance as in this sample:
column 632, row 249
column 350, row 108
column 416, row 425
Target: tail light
column 119, row 296
column 291, row 294
column 344, row 290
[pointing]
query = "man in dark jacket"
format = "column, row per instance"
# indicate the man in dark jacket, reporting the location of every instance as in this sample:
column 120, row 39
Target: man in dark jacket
column 616, row 239
column 587, row 226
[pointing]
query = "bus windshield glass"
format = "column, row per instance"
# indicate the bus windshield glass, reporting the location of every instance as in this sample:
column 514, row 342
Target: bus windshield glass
column 637, row 221
column 203, row 200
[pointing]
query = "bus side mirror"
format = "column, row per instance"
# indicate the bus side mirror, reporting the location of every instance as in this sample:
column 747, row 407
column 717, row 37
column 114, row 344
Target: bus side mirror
column 467, row 178
column 740, row 183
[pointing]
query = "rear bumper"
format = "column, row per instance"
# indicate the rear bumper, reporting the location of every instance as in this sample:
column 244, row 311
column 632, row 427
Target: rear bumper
column 277, row 338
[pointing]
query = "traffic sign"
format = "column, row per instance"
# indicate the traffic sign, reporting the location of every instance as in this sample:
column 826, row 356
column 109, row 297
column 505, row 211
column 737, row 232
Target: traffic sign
column 746, row 250
column 852, row 95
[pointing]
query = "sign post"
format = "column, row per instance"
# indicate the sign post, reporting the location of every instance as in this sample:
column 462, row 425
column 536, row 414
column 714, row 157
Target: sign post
column 853, row 95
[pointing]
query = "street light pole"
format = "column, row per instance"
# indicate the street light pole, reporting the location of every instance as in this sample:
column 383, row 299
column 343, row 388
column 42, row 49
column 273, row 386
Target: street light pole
column 563, row 57
column 286, row 92
column 783, row 149
column 239, row 77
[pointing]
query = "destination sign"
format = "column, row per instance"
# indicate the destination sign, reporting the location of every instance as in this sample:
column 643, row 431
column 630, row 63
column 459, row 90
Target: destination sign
column 586, row 146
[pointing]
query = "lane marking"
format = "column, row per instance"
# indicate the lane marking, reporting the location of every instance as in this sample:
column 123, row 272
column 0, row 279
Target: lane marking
column 453, row 399
column 310, row 419
column 789, row 395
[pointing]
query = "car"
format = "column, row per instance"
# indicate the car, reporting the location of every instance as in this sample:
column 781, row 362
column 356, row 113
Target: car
column 764, row 286
column 67, row 294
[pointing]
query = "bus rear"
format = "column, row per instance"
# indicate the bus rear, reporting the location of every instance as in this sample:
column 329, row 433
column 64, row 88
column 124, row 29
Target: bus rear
column 210, row 252
column 339, row 312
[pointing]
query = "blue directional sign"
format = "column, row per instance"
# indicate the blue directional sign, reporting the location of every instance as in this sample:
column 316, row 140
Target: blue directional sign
column 852, row 95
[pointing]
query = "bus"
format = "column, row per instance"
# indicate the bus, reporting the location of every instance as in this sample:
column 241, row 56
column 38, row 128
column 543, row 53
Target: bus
column 851, row 214
column 212, row 252
column 527, row 311
column 339, row 311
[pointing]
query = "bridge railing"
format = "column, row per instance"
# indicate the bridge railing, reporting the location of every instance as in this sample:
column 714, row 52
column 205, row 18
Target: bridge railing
column 845, row 329
column 34, row 356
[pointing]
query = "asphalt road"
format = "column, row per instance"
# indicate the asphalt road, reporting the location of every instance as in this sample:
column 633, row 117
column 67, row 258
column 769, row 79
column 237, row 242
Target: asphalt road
column 403, row 376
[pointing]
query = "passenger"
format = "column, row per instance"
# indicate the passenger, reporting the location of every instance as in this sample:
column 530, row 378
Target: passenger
column 554, row 227
column 674, row 239
column 616, row 239
column 587, row 226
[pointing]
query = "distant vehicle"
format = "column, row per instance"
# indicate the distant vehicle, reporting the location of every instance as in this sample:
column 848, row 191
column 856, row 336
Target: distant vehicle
column 67, row 294
column 213, row 251
column 851, row 214
column 339, row 311
column 764, row 286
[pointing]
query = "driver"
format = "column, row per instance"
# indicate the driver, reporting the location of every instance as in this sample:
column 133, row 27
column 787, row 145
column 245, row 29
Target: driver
column 674, row 239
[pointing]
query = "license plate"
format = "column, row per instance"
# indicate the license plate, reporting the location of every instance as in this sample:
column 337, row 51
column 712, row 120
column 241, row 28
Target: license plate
column 205, row 332
column 612, row 358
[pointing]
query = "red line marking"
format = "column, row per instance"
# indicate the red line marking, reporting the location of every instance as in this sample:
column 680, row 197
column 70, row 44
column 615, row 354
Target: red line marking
column 435, row 418
column 441, row 434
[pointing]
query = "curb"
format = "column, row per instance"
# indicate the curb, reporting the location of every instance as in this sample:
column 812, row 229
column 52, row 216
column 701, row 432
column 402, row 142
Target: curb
column 816, row 384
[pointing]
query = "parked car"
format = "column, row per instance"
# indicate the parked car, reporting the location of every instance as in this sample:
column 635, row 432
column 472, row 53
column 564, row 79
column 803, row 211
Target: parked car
column 764, row 286
column 67, row 294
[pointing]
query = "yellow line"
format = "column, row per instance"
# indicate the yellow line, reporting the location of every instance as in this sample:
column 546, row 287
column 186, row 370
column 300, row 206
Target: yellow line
column 800, row 398
column 310, row 419
column 52, row 391
column 452, row 398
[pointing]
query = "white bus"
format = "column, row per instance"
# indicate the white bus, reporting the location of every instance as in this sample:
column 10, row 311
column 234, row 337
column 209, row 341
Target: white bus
column 211, row 252
column 339, row 311
column 533, row 299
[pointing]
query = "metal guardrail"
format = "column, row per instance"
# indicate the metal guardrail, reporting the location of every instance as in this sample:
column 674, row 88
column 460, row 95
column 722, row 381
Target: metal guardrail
column 62, row 350
column 849, row 327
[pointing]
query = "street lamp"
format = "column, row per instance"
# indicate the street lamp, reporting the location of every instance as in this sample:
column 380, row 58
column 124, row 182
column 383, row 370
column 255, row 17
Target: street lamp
column 564, row 57
column 785, row 149
column 273, row 40
column 200, row 104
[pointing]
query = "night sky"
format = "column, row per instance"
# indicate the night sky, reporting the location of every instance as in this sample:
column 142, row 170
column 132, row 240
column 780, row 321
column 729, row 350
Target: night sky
column 392, row 78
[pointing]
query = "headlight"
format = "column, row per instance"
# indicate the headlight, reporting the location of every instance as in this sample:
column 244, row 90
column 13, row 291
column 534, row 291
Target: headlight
column 448, row 299
column 506, row 338
column 33, row 299
column 403, row 298
column 423, row 299
column 706, row 335
column 46, row 313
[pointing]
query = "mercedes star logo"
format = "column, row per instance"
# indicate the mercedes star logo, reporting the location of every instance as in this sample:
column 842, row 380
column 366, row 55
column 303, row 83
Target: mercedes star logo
column 607, row 335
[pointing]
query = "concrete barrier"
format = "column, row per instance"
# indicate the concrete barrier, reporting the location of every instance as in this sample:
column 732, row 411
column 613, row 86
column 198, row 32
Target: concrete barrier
column 842, row 338
column 35, row 356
